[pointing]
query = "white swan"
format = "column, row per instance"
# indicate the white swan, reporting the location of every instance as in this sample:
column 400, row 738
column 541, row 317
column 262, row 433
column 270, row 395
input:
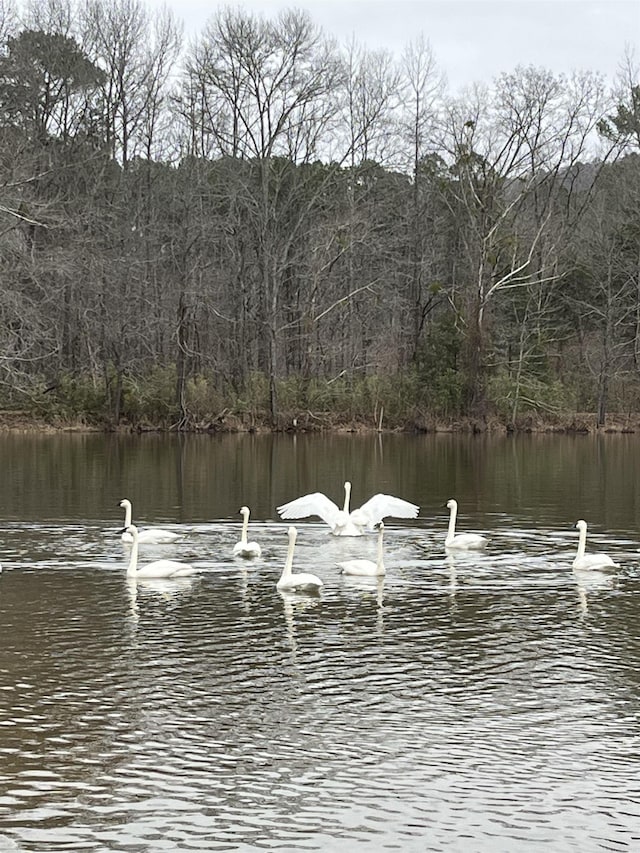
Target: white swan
column 298, row 581
column 343, row 522
column 157, row 569
column 244, row 548
column 366, row 568
column 589, row 561
column 462, row 541
column 149, row 534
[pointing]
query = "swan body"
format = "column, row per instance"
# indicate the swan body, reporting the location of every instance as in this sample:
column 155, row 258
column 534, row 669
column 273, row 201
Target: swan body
column 244, row 548
column 461, row 541
column 149, row 534
column 157, row 569
column 366, row 568
column 291, row 581
column 344, row 522
column 589, row 561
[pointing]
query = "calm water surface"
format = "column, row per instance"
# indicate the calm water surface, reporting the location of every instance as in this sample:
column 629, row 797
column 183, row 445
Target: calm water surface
column 477, row 702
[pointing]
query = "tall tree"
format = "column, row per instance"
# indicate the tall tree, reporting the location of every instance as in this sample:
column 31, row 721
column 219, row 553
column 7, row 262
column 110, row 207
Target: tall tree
column 137, row 54
column 263, row 94
column 518, row 187
column 422, row 92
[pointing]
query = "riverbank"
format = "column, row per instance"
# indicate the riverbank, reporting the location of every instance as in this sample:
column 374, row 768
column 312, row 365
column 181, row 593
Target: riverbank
column 309, row 422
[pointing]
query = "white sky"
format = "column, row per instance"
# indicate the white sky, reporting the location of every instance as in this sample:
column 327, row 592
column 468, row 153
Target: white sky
column 472, row 40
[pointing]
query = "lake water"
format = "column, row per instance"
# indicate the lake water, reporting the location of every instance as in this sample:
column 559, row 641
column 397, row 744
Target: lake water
column 486, row 701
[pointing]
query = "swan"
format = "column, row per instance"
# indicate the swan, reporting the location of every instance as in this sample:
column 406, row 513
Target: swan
column 463, row 541
column 157, row 569
column 298, row 581
column 244, row 548
column 343, row 522
column 589, row 561
column 150, row 534
column 366, row 568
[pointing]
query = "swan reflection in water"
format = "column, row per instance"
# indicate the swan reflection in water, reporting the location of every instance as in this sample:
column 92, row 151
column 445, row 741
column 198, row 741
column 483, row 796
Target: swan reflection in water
column 450, row 563
column 293, row 605
column 589, row 582
column 168, row 589
column 365, row 587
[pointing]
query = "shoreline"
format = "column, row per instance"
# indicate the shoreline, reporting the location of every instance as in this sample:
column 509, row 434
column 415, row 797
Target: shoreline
column 324, row 423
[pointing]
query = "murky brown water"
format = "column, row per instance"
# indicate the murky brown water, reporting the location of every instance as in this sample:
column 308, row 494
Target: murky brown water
column 475, row 702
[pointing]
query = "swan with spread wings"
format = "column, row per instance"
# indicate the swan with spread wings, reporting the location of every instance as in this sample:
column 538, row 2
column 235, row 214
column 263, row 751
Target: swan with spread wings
column 346, row 522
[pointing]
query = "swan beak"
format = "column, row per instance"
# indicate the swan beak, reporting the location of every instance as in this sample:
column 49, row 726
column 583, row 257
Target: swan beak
column 124, row 530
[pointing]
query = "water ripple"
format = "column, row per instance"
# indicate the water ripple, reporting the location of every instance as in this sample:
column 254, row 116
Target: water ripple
column 479, row 701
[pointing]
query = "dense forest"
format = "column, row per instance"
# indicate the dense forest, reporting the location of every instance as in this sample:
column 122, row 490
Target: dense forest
column 263, row 227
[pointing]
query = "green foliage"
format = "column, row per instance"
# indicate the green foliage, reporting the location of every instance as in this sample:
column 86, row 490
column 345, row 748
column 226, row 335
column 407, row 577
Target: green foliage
column 72, row 399
column 438, row 366
column 254, row 396
column 345, row 399
column 151, row 398
column 202, row 399
column 38, row 74
column 545, row 396
column 625, row 123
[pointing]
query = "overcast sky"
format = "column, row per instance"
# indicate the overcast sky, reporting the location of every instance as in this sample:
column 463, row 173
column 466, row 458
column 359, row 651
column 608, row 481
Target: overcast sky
column 472, row 40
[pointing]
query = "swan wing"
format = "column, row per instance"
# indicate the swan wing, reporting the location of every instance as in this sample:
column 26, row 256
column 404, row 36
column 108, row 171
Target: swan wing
column 380, row 506
column 300, row 581
column 156, row 535
column 365, row 568
column 313, row 504
column 594, row 561
column 467, row 541
column 247, row 549
column 165, row 569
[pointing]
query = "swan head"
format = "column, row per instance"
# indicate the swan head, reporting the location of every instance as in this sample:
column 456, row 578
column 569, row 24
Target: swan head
column 124, row 503
column 292, row 534
column 452, row 504
column 244, row 510
column 581, row 525
column 132, row 529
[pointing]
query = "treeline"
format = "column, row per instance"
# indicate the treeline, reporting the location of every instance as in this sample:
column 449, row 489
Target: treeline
column 262, row 224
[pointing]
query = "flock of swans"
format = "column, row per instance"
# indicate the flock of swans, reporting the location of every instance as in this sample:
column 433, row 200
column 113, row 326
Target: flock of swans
column 341, row 522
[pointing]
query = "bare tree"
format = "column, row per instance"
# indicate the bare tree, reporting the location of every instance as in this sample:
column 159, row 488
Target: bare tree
column 518, row 186
column 422, row 95
column 8, row 20
column 263, row 92
column 137, row 55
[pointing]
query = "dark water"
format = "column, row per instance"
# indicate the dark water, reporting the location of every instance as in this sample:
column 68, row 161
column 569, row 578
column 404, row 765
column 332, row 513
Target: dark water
column 476, row 702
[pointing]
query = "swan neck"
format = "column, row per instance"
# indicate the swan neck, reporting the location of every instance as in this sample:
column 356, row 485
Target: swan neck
column 380, row 549
column 288, row 563
column 582, row 542
column 245, row 528
column 127, row 513
column 452, row 522
column 347, row 497
column 133, row 558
